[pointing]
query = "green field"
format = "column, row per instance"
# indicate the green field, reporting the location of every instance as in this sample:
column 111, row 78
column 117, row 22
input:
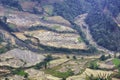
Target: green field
column 59, row 74
column 116, row 62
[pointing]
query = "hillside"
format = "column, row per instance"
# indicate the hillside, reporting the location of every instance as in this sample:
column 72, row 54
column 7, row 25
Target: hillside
column 59, row 39
column 101, row 14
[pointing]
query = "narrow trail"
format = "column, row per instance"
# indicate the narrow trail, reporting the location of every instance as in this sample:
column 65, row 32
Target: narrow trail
column 80, row 20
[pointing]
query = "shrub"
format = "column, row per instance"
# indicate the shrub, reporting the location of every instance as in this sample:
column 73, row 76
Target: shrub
column 74, row 57
column 20, row 72
column 67, row 57
column 59, row 74
column 93, row 65
column 103, row 57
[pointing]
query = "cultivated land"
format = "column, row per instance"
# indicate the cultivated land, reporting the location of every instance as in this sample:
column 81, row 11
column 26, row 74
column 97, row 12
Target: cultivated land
column 61, row 64
column 46, row 46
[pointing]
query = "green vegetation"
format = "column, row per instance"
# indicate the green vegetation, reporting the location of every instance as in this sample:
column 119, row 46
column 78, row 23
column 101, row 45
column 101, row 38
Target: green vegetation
column 74, row 57
column 105, row 36
column 36, row 11
column 11, row 26
column 80, row 39
column 102, row 26
column 11, row 3
column 5, row 49
column 92, row 49
column 56, row 27
column 20, row 72
column 103, row 57
column 4, row 19
column 1, row 40
column 45, row 63
column 67, row 56
column 59, row 74
column 48, row 9
column 40, row 65
column 93, row 65
column 44, row 18
column 116, row 62
column 69, row 9
column 2, row 50
column 81, row 33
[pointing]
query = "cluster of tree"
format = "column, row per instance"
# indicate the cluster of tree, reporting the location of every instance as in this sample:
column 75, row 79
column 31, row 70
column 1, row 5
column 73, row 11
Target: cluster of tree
column 20, row 72
column 103, row 57
column 11, row 3
column 7, row 26
column 1, row 40
column 116, row 62
column 6, row 48
column 3, row 50
column 103, row 28
column 93, row 65
column 113, row 6
column 69, row 9
column 45, row 63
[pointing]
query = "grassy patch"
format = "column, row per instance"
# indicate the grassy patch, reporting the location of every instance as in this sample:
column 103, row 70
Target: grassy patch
column 11, row 26
column 116, row 62
column 93, row 65
column 20, row 72
column 48, row 9
column 56, row 27
column 59, row 74
column 80, row 39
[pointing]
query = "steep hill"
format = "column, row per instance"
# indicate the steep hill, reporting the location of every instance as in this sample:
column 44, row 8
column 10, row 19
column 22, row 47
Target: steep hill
column 102, row 19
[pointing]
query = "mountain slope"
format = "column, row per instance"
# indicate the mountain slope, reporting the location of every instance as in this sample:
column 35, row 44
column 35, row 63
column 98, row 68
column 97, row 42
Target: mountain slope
column 101, row 19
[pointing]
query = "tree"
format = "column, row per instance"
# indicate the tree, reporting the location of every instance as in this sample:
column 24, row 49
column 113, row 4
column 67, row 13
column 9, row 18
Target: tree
column 102, row 58
column 74, row 57
column 92, row 49
column 44, row 63
column 6, row 79
column 47, row 60
column 4, row 19
column 93, row 65
column 109, row 56
column 67, row 57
